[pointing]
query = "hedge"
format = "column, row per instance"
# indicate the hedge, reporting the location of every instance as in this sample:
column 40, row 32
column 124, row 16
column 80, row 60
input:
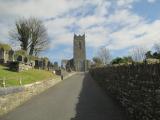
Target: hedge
column 136, row 87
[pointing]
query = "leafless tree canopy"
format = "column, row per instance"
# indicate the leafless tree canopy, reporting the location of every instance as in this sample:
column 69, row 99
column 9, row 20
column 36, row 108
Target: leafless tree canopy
column 138, row 54
column 104, row 55
column 32, row 35
column 38, row 36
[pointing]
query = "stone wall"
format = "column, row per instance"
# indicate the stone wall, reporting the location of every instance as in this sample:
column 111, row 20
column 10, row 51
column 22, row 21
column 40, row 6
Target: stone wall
column 136, row 87
column 10, row 90
column 13, row 97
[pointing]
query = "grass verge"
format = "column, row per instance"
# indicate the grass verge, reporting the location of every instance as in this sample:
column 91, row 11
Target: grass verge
column 28, row 76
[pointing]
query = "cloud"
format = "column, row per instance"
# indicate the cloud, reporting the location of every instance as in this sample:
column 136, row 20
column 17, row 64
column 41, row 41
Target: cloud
column 39, row 8
column 151, row 1
column 105, row 22
column 141, row 35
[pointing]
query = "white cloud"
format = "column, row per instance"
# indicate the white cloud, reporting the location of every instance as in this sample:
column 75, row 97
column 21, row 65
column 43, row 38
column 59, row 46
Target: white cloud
column 126, row 3
column 145, row 34
column 112, row 23
column 39, row 8
column 151, row 1
column 124, row 17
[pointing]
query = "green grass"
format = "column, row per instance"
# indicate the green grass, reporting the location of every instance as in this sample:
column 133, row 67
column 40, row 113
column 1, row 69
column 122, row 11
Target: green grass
column 28, row 76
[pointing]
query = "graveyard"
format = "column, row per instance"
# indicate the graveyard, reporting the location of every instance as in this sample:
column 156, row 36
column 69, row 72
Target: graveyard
column 18, row 68
column 27, row 77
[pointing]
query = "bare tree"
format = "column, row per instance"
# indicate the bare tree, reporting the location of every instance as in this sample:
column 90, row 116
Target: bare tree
column 138, row 54
column 104, row 55
column 97, row 61
column 38, row 36
column 32, row 35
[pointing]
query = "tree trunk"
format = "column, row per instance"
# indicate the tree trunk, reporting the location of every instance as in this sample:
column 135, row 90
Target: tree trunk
column 31, row 50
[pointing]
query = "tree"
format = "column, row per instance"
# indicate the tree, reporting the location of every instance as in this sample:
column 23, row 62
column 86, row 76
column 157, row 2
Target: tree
column 38, row 36
column 157, row 47
column 104, row 55
column 148, row 55
column 119, row 60
column 97, row 61
column 127, row 59
column 138, row 54
column 156, row 55
column 32, row 35
column 21, row 33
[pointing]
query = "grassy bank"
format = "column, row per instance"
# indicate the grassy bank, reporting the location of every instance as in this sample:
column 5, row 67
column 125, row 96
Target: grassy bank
column 29, row 76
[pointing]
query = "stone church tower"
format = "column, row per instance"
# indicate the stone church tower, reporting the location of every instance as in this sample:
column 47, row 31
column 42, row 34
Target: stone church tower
column 79, row 53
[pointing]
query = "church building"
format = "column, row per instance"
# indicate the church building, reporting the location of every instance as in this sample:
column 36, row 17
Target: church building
column 79, row 62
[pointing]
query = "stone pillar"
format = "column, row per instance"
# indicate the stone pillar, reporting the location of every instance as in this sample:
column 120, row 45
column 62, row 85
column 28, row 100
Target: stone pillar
column 11, row 55
column 2, row 55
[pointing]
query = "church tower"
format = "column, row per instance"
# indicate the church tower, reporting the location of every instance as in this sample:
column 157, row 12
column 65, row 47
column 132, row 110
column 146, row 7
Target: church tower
column 79, row 53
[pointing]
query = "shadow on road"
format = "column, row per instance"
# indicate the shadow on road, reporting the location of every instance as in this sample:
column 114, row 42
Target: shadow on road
column 94, row 104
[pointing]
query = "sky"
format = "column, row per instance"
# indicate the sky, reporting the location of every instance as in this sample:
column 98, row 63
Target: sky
column 118, row 25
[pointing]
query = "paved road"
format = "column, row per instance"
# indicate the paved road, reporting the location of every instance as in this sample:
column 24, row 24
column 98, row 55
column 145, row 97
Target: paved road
column 76, row 98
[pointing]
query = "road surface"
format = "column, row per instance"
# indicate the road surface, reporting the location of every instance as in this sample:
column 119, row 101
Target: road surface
column 76, row 98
